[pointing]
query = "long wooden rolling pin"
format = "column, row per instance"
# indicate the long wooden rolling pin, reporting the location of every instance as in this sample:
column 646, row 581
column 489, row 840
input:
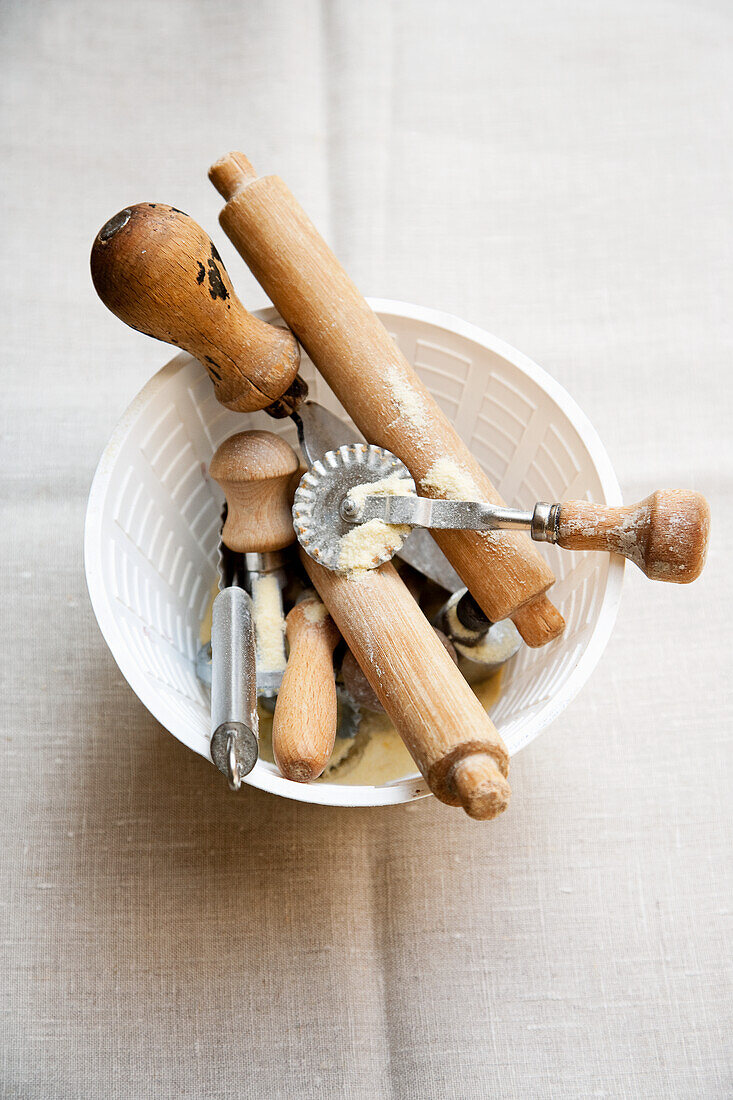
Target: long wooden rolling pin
column 446, row 730
column 148, row 274
column 377, row 386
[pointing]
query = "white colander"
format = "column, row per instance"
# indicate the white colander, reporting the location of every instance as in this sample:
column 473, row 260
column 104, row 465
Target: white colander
column 153, row 520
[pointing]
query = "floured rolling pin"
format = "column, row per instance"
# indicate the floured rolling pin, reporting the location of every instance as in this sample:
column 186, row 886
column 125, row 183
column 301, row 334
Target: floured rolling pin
column 447, row 731
column 379, row 389
column 146, row 278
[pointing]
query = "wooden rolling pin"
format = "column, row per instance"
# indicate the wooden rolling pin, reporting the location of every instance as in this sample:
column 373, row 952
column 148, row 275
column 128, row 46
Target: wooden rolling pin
column 304, row 726
column 447, row 731
column 156, row 269
column 377, row 386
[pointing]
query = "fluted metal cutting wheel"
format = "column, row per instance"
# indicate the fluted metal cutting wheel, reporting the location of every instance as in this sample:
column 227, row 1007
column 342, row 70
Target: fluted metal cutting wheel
column 317, row 517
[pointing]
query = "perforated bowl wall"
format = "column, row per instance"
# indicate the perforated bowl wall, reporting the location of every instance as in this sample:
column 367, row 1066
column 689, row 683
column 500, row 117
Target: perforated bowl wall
column 153, row 517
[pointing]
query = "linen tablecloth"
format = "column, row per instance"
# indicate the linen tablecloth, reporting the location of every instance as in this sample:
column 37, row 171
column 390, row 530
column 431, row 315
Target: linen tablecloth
column 558, row 172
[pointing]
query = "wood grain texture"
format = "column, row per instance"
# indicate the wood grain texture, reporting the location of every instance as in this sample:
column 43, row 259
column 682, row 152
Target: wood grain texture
column 375, row 383
column 446, row 730
column 359, row 687
column 157, row 270
column 258, row 472
column 666, row 534
column 304, row 724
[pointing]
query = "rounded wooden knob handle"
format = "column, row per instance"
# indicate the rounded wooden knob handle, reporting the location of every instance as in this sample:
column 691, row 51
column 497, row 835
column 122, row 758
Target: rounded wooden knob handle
column 666, row 535
column 157, row 270
column 304, row 725
column 258, row 472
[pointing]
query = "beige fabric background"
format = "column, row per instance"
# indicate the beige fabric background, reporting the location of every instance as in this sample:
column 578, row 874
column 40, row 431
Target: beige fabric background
column 558, row 171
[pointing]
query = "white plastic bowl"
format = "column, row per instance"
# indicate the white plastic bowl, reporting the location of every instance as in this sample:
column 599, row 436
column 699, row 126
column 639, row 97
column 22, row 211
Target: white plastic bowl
column 153, row 519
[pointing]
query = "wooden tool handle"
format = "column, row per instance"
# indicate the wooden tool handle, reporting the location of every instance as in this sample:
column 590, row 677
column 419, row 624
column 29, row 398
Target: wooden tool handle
column 304, row 725
column 157, row 270
column 258, row 472
column 666, row 535
column 375, row 383
column 447, row 732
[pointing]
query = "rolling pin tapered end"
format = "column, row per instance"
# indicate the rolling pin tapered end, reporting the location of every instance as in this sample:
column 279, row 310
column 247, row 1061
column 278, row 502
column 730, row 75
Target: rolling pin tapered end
column 231, row 173
column 480, row 787
column 538, row 622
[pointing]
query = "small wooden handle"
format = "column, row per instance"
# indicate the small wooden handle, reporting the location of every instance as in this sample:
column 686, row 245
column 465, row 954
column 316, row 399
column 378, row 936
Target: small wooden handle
column 304, row 725
column 666, row 535
column 446, row 730
column 157, row 270
column 258, row 472
column 379, row 388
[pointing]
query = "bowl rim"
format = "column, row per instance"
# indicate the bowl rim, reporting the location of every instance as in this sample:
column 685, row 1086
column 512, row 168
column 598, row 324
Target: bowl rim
column 412, row 787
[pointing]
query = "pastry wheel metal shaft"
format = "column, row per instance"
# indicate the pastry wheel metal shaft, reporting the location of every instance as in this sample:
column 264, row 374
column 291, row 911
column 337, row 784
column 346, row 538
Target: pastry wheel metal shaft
column 464, row 515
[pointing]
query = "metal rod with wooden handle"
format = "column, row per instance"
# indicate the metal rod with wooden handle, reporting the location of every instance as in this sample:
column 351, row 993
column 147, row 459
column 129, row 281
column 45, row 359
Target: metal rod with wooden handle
column 446, row 730
column 377, row 386
column 257, row 472
column 306, row 716
column 156, row 269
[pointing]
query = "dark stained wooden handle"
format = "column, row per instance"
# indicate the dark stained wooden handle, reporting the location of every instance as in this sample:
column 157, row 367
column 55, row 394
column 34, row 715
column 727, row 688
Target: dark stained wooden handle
column 157, row 270
column 666, row 535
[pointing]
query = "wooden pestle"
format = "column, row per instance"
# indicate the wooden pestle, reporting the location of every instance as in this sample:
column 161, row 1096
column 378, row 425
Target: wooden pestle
column 375, row 383
column 156, row 269
column 446, row 730
column 304, row 725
